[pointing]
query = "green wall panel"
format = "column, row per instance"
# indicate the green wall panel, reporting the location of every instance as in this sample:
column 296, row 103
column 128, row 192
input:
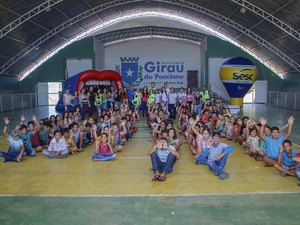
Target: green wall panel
column 53, row 70
column 9, row 83
column 292, row 82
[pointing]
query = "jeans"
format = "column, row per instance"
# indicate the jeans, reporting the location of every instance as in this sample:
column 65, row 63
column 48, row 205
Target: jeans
column 172, row 110
column 197, row 109
column 49, row 154
column 29, row 151
column 87, row 138
column 10, row 155
column 218, row 166
column 91, row 110
column 298, row 172
column 202, row 158
column 162, row 167
column 144, row 109
column 131, row 106
column 82, row 111
column 110, row 105
column 117, row 105
column 69, row 108
column 98, row 110
column 104, row 106
column 104, row 157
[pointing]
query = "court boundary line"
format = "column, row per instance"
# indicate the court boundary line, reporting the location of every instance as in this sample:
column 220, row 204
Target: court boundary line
column 151, row 195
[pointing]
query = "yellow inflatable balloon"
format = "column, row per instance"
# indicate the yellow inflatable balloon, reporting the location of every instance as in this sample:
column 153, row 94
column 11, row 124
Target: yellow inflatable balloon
column 238, row 75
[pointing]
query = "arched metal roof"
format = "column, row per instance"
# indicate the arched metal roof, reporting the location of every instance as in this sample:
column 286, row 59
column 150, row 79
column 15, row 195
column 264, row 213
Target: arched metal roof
column 33, row 29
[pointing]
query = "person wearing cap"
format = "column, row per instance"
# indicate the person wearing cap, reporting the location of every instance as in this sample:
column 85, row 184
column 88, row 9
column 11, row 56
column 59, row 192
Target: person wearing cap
column 16, row 146
column 205, row 94
column 217, row 155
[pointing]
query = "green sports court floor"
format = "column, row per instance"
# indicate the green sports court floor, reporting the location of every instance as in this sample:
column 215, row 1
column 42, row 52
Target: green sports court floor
column 220, row 209
column 78, row 191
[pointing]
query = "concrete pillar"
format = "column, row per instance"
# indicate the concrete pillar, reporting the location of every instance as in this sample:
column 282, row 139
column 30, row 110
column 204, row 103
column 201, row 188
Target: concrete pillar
column 99, row 50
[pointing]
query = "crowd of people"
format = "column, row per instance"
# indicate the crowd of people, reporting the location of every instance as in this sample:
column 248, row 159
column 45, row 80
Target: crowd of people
column 111, row 122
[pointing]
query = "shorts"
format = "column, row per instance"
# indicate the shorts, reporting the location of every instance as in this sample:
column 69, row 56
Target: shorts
column 275, row 159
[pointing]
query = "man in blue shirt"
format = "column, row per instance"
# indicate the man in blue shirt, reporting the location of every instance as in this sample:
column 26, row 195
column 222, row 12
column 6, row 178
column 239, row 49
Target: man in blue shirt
column 130, row 92
column 285, row 163
column 217, row 155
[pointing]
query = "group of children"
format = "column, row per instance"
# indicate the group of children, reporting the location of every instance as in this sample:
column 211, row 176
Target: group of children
column 203, row 129
column 58, row 136
column 204, row 143
column 201, row 120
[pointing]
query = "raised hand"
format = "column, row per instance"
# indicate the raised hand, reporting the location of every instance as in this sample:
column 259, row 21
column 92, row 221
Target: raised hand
column 280, row 148
column 33, row 118
column 6, row 120
column 22, row 118
column 263, row 121
column 291, row 120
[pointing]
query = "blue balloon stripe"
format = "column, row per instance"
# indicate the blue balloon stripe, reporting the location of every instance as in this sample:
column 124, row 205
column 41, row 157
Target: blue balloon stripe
column 238, row 61
column 236, row 90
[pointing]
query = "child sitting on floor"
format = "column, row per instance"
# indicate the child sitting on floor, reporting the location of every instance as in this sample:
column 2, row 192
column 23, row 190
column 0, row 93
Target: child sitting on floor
column 104, row 150
column 217, row 155
column 163, row 158
column 274, row 141
column 286, row 164
column 71, row 146
column 16, row 147
column 58, row 147
column 297, row 160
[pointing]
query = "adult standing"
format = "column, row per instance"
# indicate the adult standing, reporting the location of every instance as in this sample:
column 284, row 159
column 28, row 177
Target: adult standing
column 131, row 92
column 91, row 101
column 164, row 97
column 118, row 97
column 152, row 87
column 172, row 99
column 67, row 99
column 168, row 90
column 144, row 101
column 205, row 94
column 111, row 97
column 75, row 102
column 83, row 100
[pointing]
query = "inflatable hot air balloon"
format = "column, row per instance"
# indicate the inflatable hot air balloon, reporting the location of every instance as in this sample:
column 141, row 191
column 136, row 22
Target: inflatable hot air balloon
column 238, row 75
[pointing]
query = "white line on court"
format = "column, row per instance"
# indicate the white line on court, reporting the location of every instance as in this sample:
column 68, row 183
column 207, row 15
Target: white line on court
column 156, row 195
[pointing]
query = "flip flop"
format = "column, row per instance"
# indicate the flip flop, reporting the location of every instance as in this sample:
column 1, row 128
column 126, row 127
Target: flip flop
column 156, row 178
column 162, row 178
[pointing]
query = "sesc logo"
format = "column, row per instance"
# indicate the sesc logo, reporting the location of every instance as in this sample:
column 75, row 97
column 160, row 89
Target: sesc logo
column 245, row 74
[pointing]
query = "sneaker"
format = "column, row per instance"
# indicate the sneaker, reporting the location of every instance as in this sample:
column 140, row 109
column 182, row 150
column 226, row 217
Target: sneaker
column 283, row 174
column 224, row 176
column 4, row 160
column 80, row 149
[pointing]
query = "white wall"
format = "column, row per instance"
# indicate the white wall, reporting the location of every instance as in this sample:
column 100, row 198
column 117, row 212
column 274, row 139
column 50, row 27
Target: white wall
column 165, row 52
column 75, row 66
